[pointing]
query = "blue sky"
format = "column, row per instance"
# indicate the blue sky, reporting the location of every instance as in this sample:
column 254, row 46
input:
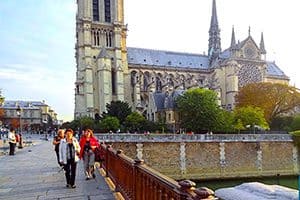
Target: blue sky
column 37, row 52
column 37, row 39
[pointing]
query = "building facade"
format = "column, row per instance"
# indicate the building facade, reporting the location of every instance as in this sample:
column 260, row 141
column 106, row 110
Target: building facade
column 30, row 115
column 150, row 80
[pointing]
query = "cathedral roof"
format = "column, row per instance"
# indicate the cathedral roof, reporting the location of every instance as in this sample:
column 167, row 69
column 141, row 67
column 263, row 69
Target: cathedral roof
column 139, row 56
column 12, row 104
column 274, row 70
column 164, row 100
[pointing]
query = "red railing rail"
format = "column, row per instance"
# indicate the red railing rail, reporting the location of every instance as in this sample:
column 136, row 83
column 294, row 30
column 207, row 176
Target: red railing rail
column 137, row 181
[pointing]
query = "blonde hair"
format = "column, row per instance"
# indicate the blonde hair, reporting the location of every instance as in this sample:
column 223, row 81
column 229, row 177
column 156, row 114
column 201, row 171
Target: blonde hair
column 90, row 131
column 60, row 132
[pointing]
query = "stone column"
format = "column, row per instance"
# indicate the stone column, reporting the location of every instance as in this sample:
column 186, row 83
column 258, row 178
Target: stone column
column 182, row 159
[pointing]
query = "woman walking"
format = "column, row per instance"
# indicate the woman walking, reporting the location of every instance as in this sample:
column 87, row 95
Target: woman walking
column 56, row 141
column 69, row 150
column 88, row 144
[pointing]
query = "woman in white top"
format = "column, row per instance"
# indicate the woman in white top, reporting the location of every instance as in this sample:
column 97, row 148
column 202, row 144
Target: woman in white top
column 12, row 141
column 69, row 150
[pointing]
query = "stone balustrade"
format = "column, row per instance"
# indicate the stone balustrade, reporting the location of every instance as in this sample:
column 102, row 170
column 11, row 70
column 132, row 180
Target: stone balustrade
column 192, row 138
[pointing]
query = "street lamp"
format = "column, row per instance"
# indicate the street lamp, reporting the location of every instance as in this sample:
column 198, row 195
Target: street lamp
column 19, row 115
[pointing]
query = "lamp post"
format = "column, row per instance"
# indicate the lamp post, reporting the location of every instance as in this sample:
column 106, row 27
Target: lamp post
column 19, row 115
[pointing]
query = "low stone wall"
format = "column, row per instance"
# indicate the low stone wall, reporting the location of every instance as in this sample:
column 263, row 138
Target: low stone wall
column 211, row 156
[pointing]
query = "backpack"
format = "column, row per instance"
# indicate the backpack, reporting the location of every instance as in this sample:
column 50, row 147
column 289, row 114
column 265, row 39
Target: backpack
column 17, row 138
column 99, row 154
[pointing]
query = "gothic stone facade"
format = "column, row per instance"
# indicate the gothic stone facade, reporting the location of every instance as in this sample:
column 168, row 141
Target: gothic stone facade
column 150, row 80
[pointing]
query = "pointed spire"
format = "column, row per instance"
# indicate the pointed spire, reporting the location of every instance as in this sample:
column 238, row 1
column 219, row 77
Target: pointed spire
column 262, row 44
column 214, row 46
column 214, row 18
column 233, row 42
column 249, row 31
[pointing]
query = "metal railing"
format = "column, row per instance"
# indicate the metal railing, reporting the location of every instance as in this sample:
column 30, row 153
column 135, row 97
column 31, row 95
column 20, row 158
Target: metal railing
column 137, row 181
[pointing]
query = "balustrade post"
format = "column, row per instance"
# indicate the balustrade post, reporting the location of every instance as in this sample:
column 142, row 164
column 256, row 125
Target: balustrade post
column 118, row 173
column 136, row 186
column 106, row 160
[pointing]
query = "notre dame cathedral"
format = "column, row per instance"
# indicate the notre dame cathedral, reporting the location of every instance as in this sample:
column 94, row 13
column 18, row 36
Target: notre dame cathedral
column 150, row 80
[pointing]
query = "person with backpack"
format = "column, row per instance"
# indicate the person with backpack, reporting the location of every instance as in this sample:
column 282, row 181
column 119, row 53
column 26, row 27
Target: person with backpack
column 56, row 141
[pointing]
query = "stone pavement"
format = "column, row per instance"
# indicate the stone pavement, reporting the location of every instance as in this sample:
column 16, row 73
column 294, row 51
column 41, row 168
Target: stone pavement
column 33, row 174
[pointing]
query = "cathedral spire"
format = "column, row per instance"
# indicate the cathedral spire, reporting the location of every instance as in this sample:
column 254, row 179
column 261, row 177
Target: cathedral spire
column 262, row 45
column 233, row 42
column 249, row 31
column 214, row 46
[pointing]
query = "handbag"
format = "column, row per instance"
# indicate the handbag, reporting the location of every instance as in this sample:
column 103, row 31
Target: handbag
column 99, row 155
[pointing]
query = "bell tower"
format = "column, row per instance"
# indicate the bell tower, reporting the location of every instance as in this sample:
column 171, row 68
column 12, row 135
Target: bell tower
column 101, row 55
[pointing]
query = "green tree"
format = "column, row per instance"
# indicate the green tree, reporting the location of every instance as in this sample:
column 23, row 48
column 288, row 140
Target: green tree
column 198, row 110
column 80, row 123
column 281, row 123
column 109, row 124
column 295, row 125
column 273, row 98
column 134, row 121
column 1, row 102
column 250, row 116
column 225, row 122
column 118, row 109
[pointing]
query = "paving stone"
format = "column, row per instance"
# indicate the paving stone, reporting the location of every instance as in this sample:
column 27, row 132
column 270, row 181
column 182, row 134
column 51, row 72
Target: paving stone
column 33, row 174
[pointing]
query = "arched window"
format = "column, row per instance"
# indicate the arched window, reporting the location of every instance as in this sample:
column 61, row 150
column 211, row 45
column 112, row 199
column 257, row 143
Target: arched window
column 96, row 10
column 113, row 81
column 107, row 11
column 158, row 84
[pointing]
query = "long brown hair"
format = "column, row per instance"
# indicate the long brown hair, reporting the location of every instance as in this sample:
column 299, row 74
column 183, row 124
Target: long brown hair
column 90, row 131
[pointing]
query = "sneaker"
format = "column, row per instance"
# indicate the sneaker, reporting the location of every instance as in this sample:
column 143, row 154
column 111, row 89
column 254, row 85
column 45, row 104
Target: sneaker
column 68, row 185
column 73, row 186
column 87, row 178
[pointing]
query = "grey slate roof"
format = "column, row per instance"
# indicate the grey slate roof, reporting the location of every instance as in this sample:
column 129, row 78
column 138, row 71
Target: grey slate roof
column 274, row 70
column 160, row 58
column 12, row 104
column 166, row 101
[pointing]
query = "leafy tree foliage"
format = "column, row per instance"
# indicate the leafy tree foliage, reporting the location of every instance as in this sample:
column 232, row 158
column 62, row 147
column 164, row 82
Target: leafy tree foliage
column 134, row 121
column 295, row 125
column 118, row 109
column 249, row 116
column 1, row 98
column 226, row 122
column 198, row 110
column 282, row 123
column 109, row 124
column 15, row 123
column 1, row 113
column 273, row 98
column 80, row 123
column 1, row 102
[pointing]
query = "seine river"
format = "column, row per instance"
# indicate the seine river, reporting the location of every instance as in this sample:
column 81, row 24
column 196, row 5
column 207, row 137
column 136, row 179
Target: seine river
column 287, row 181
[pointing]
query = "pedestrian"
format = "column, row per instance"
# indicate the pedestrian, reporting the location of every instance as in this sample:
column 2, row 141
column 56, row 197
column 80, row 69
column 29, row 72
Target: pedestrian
column 69, row 150
column 56, row 141
column 88, row 144
column 12, row 141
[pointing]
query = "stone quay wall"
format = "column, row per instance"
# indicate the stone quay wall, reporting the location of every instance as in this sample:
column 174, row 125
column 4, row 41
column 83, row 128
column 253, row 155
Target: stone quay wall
column 211, row 156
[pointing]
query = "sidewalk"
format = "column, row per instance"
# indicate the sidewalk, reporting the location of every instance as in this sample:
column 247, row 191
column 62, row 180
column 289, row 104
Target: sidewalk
column 33, row 174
